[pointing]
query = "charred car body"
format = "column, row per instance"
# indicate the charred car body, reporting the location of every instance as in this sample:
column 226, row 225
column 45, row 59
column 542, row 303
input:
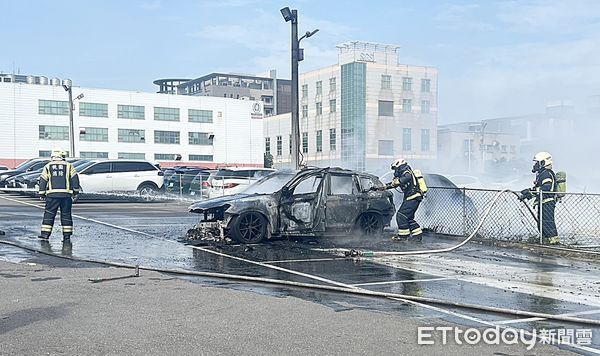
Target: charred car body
column 311, row 202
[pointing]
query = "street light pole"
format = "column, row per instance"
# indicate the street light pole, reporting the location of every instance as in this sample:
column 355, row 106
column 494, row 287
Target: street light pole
column 295, row 104
column 69, row 89
column 297, row 56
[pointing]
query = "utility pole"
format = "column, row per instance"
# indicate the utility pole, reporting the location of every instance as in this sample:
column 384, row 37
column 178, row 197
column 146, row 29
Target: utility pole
column 69, row 89
column 297, row 56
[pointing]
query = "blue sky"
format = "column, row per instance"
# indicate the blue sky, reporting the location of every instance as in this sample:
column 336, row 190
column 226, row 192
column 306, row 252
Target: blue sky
column 495, row 58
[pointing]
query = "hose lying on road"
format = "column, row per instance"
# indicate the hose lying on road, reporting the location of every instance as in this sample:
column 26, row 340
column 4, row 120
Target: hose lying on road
column 326, row 288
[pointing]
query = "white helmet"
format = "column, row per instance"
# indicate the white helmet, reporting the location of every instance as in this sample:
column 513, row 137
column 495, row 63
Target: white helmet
column 542, row 160
column 58, row 153
column 399, row 162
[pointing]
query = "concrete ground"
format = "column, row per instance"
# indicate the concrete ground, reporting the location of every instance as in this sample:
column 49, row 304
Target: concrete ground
column 53, row 307
column 56, row 310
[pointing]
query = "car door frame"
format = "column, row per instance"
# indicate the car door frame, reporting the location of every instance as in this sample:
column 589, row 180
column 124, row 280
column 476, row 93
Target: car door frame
column 350, row 205
column 107, row 177
column 293, row 224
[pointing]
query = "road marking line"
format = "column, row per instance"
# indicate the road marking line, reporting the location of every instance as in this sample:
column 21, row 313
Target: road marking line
column 402, row 281
column 516, row 321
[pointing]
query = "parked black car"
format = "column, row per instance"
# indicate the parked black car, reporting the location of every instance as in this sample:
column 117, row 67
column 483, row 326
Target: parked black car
column 179, row 179
column 200, row 184
column 311, row 202
column 28, row 166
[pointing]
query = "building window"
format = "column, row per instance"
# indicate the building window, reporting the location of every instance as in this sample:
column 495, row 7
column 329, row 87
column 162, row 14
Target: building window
column 93, row 110
column 386, row 148
column 332, row 140
column 267, row 144
column 319, row 141
column 406, row 139
column 425, row 85
column 93, row 134
column 94, row 155
column 205, row 158
column 131, row 136
column 304, row 90
column 43, row 154
column 54, row 133
column 130, row 112
column 425, row 140
column 304, row 111
column 332, row 107
column 164, row 156
column 166, row 114
column 166, row 137
column 200, row 138
column 203, row 116
column 131, row 155
column 305, row 142
column 407, row 105
column 406, row 84
column 279, row 145
column 386, row 108
column 319, row 108
column 332, row 84
column 319, row 87
column 386, row 82
column 425, row 106
column 53, row 107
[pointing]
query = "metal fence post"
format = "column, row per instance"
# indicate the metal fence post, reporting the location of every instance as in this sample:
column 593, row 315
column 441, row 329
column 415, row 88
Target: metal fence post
column 180, row 186
column 464, row 206
column 540, row 217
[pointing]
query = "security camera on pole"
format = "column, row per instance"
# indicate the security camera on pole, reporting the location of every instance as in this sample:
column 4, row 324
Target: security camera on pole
column 297, row 56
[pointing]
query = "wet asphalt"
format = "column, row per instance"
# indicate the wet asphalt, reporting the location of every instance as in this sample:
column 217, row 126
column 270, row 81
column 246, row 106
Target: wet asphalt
column 511, row 278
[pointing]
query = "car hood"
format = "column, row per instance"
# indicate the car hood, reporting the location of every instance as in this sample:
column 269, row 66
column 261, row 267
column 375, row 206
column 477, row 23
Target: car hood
column 10, row 173
column 220, row 201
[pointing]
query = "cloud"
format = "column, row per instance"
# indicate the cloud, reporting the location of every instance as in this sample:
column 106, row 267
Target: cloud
column 151, row 6
column 461, row 17
column 550, row 15
column 270, row 47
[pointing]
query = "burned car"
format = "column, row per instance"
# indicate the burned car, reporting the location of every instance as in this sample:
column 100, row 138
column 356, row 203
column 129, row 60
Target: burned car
column 311, row 202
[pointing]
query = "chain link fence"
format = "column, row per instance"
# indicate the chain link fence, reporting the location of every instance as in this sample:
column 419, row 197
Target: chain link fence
column 457, row 211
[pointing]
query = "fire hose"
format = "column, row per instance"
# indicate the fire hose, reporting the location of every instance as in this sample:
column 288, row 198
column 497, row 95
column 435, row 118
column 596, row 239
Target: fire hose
column 360, row 253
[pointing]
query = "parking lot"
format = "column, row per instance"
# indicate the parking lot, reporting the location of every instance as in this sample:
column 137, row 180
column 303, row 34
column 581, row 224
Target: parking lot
column 147, row 234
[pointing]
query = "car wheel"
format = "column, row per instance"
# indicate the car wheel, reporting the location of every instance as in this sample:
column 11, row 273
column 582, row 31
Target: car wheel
column 147, row 192
column 250, row 228
column 370, row 224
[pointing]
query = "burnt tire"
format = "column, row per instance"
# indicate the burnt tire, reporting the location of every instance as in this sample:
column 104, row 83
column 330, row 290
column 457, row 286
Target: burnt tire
column 249, row 228
column 370, row 224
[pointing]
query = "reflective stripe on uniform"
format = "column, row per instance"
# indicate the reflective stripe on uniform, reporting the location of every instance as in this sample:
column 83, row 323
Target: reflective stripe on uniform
column 547, row 180
column 414, row 196
column 403, row 232
column 59, row 191
column 547, row 200
column 67, row 228
column 417, row 231
column 46, row 228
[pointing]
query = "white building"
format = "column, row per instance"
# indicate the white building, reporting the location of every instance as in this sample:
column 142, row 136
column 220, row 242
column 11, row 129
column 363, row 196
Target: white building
column 207, row 131
column 362, row 112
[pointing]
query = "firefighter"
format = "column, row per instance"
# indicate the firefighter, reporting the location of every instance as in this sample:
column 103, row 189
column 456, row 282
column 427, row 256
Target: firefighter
column 59, row 183
column 545, row 182
column 405, row 178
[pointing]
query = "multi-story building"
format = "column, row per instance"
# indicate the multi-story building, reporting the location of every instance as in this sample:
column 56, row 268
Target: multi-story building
column 274, row 93
column 170, row 129
column 362, row 112
column 470, row 147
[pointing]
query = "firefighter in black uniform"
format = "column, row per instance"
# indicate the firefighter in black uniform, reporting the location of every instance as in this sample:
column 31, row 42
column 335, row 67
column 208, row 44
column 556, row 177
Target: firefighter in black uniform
column 405, row 217
column 58, row 184
column 545, row 182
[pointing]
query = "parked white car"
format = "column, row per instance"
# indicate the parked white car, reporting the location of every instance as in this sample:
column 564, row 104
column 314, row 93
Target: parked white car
column 232, row 180
column 111, row 176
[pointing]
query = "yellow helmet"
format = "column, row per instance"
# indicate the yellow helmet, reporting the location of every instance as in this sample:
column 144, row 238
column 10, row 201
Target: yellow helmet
column 541, row 160
column 399, row 162
column 58, row 153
